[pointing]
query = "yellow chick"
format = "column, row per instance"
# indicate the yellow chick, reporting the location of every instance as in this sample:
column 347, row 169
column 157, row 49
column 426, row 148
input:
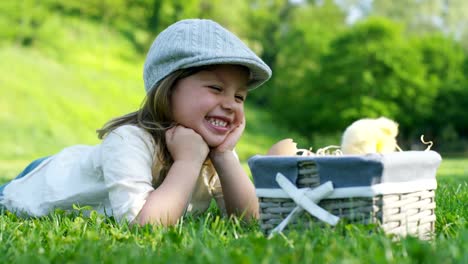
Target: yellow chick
column 370, row 136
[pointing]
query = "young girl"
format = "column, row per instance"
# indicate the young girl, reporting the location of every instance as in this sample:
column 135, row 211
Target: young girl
column 171, row 156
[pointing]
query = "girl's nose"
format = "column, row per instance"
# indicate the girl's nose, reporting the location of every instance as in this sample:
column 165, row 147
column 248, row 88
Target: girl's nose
column 229, row 103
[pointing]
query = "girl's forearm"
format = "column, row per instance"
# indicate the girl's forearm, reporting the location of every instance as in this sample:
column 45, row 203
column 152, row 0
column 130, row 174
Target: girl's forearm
column 166, row 204
column 238, row 190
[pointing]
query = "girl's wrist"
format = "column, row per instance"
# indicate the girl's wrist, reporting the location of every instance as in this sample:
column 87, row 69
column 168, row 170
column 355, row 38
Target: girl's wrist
column 193, row 163
column 218, row 156
column 192, row 158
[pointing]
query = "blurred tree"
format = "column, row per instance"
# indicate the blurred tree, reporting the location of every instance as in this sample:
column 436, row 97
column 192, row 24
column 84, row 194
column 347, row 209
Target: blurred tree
column 21, row 20
column 139, row 20
column 445, row 60
column 306, row 39
column 426, row 16
column 369, row 71
column 420, row 17
column 289, row 36
column 153, row 16
column 266, row 22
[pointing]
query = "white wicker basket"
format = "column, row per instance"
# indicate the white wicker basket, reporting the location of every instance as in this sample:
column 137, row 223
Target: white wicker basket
column 393, row 190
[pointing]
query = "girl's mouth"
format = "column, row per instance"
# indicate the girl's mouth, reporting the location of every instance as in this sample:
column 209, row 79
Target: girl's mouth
column 217, row 122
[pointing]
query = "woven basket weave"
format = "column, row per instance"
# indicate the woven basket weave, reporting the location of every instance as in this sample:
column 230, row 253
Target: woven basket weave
column 408, row 213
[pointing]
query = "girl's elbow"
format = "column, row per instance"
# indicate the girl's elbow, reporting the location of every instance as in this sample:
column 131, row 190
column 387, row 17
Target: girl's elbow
column 254, row 210
column 254, row 215
column 155, row 218
column 248, row 214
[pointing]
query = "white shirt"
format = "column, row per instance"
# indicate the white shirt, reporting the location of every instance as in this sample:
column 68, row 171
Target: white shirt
column 114, row 178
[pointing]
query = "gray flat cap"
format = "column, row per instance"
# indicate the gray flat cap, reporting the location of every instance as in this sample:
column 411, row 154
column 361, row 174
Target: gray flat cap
column 198, row 42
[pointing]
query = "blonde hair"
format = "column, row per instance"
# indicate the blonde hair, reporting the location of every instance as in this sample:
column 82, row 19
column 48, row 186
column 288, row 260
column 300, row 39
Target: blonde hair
column 154, row 116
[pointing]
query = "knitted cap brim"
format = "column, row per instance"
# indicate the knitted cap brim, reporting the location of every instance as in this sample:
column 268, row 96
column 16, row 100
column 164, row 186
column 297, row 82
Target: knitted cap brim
column 258, row 75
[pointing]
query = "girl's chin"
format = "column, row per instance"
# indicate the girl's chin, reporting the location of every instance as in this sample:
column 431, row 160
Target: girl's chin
column 213, row 142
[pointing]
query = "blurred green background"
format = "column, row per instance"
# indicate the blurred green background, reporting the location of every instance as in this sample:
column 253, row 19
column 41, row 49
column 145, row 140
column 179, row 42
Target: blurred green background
column 66, row 67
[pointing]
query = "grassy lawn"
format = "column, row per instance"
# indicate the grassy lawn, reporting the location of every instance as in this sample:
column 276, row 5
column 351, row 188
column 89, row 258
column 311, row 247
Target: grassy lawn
column 209, row 238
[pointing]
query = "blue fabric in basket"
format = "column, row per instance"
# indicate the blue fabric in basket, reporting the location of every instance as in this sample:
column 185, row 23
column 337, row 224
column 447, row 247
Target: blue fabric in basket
column 349, row 170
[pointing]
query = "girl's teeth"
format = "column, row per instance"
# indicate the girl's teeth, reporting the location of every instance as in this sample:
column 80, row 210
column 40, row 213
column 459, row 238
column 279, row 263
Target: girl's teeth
column 217, row 122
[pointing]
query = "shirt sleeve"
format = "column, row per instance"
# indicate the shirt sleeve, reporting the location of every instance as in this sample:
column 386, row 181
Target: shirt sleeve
column 127, row 157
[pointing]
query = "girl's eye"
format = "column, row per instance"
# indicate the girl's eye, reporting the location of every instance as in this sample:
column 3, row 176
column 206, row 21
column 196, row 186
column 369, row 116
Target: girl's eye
column 214, row 87
column 240, row 98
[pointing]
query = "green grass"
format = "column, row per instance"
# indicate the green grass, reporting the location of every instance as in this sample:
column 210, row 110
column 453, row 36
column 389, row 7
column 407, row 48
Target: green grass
column 75, row 78
column 81, row 238
column 75, row 238
column 47, row 105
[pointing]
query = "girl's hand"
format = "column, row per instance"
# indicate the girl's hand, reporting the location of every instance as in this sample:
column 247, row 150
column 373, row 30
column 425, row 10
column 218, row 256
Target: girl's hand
column 185, row 144
column 231, row 140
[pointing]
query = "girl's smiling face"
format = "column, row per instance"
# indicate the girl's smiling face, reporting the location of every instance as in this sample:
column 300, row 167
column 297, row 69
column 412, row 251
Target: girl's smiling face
column 211, row 101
